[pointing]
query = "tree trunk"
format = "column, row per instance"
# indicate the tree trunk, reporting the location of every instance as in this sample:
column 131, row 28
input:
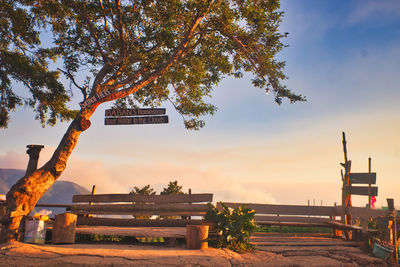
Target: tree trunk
column 23, row 196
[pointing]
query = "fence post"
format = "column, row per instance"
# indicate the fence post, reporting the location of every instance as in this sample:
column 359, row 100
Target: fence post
column 390, row 202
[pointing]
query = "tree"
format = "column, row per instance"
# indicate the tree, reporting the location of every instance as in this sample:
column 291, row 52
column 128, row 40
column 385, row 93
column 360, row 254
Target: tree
column 145, row 190
column 141, row 52
column 172, row 189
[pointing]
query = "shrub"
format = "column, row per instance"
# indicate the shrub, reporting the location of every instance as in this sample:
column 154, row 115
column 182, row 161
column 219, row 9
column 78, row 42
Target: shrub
column 234, row 227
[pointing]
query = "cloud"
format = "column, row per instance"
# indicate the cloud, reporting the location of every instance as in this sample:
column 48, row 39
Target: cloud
column 13, row 160
column 374, row 10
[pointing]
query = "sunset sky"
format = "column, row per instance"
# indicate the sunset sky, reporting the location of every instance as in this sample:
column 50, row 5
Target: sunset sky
column 344, row 56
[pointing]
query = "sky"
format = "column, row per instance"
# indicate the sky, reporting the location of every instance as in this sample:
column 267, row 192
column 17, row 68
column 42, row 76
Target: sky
column 344, row 56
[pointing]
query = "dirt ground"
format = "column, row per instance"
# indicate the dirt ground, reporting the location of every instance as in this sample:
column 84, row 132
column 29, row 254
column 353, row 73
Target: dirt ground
column 22, row 254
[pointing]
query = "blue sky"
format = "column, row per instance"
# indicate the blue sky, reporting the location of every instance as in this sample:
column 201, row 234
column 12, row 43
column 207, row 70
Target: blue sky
column 344, row 56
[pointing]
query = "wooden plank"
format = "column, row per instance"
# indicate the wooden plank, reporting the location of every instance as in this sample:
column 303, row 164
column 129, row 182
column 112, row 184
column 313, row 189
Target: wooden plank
column 135, row 120
column 53, row 205
column 134, row 222
column 305, row 244
column 363, row 190
column 142, row 209
column 142, row 213
column 291, row 219
column 142, row 198
column 288, row 209
column 294, row 224
column 340, row 225
column 118, row 112
column 174, row 232
column 362, row 178
column 4, row 219
column 357, row 212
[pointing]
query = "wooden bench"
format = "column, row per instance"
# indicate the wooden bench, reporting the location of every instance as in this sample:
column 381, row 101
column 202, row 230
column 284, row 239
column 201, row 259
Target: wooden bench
column 291, row 215
column 314, row 216
column 169, row 212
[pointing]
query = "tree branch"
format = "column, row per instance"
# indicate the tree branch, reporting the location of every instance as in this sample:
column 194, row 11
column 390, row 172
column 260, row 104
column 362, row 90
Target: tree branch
column 92, row 32
column 105, row 19
column 180, row 52
column 71, row 77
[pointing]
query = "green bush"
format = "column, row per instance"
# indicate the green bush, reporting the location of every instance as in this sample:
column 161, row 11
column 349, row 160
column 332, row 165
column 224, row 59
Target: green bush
column 234, row 227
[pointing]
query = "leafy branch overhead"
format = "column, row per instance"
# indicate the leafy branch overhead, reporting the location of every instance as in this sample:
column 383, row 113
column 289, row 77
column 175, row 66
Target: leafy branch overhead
column 144, row 52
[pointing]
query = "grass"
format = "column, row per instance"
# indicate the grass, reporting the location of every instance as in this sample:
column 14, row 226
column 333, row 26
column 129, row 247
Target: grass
column 108, row 239
column 81, row 238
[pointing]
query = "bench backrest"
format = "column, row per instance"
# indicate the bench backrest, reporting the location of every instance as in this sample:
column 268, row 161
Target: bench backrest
column 104, row 198
column 280, row 214
column 129, row 204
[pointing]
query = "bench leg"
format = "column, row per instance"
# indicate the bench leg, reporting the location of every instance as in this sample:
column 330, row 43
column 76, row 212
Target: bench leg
column 170, row 241
column 64, row 228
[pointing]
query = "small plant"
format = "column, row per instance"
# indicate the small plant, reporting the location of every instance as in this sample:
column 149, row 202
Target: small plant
column 234, row 227
column 373, row 223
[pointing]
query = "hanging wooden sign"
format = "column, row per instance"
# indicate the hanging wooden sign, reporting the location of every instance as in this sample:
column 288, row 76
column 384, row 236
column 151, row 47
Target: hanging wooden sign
column 363, row 190
column 363, row 178
column 135, row 120
column 122, row 112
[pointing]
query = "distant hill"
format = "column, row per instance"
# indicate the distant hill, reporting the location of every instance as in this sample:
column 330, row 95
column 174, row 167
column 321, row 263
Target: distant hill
column 60, row 193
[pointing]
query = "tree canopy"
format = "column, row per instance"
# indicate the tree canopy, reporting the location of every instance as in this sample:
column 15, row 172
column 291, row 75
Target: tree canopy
column 23, row 59
column 142, row 52
column 172, row 189
column 145, row 190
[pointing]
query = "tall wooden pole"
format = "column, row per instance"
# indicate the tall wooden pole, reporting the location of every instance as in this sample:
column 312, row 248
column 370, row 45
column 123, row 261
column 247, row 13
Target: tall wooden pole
column 390, row 202
column 346, row 199
column 369, row 184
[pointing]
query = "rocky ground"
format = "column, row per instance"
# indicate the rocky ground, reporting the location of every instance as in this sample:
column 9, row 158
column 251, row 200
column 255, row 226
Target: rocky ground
column 272, row 250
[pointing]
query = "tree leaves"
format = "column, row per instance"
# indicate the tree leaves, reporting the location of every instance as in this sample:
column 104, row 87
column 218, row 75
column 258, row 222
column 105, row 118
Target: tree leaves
column 24, row 61
column 156, row 51
column 172, row 189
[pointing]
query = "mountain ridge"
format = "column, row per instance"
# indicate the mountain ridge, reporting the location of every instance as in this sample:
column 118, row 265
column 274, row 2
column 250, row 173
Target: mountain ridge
column 60, row 193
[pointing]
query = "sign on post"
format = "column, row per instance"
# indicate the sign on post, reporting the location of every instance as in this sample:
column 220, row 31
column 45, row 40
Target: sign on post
column 136, row 120
column 121, row 112
column 363, row 190
column 127, row 116
column 363, row 178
